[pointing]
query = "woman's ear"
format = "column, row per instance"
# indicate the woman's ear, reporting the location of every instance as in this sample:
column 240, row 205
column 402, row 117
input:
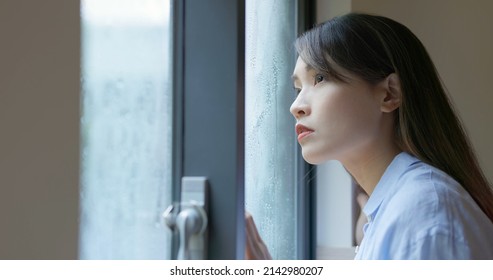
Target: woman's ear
column 392, row 97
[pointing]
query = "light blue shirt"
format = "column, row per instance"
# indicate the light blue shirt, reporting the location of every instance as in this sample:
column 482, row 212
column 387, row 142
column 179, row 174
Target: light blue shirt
column 417, row 211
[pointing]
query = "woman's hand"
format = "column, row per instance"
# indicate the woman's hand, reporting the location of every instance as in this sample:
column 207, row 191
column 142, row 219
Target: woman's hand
column 255, row 247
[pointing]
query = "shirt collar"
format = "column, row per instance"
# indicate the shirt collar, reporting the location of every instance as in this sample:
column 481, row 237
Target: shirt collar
column 387, row 184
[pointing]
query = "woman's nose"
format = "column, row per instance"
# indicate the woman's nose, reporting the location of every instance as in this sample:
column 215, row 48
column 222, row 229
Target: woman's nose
column 299, row 108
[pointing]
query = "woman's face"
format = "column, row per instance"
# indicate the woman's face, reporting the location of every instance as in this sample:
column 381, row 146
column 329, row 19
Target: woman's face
column 335, row 120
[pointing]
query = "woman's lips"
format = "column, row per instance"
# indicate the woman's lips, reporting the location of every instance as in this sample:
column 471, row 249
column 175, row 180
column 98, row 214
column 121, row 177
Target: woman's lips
column 302, row 131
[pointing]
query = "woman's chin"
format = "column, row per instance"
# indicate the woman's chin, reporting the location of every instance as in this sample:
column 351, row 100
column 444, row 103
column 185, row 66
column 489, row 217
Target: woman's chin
column 312, row 158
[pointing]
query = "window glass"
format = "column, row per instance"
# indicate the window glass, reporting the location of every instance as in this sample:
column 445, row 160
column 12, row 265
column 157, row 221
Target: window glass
column 270, row 145
column 125, row 129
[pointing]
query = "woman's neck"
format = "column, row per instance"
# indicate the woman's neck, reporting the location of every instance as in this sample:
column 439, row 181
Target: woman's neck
column 368, row 169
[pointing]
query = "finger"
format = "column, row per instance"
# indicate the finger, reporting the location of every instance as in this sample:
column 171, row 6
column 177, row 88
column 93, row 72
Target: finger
column 253, row 248
column 252, row 227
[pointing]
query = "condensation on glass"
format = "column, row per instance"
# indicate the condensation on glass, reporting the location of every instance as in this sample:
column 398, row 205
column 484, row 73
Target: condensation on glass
column 270, row 146
column 126, row 129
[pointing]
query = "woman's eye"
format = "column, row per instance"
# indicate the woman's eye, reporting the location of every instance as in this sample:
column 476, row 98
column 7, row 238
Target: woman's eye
column 297, row 91
column 319, row 78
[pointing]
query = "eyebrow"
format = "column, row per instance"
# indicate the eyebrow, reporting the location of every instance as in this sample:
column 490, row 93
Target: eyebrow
column 308, row 68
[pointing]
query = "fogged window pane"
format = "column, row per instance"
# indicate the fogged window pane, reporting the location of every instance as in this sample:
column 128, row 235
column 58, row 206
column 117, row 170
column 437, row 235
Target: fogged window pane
column 126, row 128
column 270, row 144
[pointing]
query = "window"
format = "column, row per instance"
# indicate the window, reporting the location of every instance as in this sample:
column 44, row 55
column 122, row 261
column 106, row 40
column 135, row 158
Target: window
column 270, row 146
column 125, row 128
column 274, row 186
column 138, row 141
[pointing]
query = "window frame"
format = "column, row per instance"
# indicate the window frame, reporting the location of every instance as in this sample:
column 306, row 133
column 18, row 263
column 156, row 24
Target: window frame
column 306, row 189
column 204, row 97
column 205, row 31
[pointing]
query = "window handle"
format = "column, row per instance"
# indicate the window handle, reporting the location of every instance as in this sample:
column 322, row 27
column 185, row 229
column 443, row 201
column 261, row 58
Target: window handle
column 189, row 218
column 191, row 224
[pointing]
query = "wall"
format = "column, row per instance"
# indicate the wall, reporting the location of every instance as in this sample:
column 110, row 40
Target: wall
column 327, row 9
column 39, row 129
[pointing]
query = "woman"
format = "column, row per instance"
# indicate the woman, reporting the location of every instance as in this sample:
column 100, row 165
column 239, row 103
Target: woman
column 370, row 97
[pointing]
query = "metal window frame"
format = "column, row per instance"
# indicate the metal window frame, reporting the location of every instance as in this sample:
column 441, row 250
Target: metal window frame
column 306, row 192
column 209, row 113
column 209, row 57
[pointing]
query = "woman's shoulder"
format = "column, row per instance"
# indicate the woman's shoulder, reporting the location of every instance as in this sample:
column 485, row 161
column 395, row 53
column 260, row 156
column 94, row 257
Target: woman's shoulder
column 423, row 179
column 419, row 190
column 428, row 188
column 421, row 194
column 431, row 208
column 426, row 214
column 432, row 199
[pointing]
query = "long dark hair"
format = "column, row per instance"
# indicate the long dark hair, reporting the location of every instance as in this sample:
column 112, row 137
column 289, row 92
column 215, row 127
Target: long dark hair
column 373, row 47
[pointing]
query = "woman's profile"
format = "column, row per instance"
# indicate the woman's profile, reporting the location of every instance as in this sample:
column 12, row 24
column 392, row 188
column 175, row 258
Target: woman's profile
column 369, row 96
